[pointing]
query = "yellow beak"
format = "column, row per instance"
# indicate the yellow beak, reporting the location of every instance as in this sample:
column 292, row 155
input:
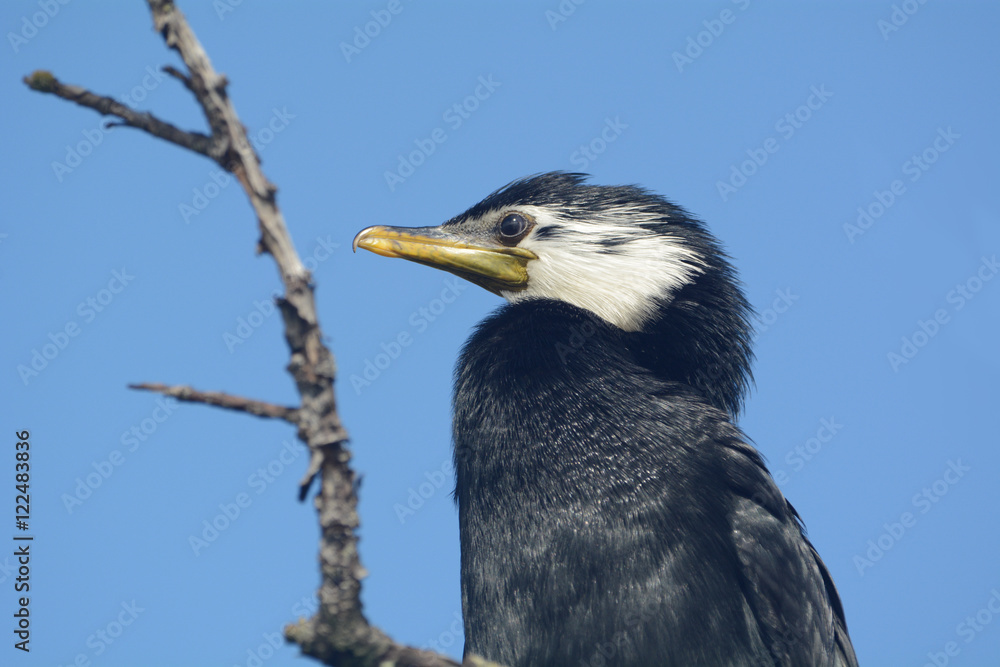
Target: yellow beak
column 489, row 264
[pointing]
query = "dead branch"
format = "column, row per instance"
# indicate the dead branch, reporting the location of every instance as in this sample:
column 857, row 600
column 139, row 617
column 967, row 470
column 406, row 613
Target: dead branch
column 339, row 633
column 44, row 82
column 222, row 400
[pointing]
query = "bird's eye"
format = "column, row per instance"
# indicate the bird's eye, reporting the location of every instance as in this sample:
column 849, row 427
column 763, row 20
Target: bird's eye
column 512, row 228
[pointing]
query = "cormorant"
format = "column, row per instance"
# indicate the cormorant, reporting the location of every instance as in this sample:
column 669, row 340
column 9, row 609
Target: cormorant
column 610, row 511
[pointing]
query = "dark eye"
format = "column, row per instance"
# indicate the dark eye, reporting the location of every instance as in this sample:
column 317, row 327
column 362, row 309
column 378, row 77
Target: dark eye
column 513, row 227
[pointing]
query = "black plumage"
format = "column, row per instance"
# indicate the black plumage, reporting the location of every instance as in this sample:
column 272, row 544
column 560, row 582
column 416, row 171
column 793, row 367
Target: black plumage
column 611, row 513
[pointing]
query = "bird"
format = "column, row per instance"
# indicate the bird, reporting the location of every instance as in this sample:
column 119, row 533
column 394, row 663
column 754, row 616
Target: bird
column 611, row 512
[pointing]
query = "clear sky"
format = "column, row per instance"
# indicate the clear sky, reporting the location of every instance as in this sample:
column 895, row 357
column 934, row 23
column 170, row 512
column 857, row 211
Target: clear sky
column 844, row 152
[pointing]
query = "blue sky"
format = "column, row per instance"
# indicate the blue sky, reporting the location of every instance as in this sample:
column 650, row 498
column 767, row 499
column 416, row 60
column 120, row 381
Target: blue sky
column 845, row 153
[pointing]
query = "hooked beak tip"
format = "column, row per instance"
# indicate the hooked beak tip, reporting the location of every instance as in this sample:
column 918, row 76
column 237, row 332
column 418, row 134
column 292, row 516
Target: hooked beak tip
column 357, row 239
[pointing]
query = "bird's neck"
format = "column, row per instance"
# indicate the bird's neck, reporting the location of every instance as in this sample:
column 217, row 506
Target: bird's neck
column 702, row 339
column 530, row 371
column 544, row 358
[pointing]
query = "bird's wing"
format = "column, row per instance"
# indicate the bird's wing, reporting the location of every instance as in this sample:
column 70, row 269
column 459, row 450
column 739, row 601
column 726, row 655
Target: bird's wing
column 784, row 576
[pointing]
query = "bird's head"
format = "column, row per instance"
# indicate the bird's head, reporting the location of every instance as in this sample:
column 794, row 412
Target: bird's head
column 628, row 256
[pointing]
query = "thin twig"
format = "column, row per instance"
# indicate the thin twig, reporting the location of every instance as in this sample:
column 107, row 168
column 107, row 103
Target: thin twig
column 222, row 400
column 45, row 82
column 177, row 74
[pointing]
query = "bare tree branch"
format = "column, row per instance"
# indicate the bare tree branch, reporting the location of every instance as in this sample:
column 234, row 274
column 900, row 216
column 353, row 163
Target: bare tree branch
column 222, row 400
column 177, row 74
column 44, row 82
column 338, row 634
